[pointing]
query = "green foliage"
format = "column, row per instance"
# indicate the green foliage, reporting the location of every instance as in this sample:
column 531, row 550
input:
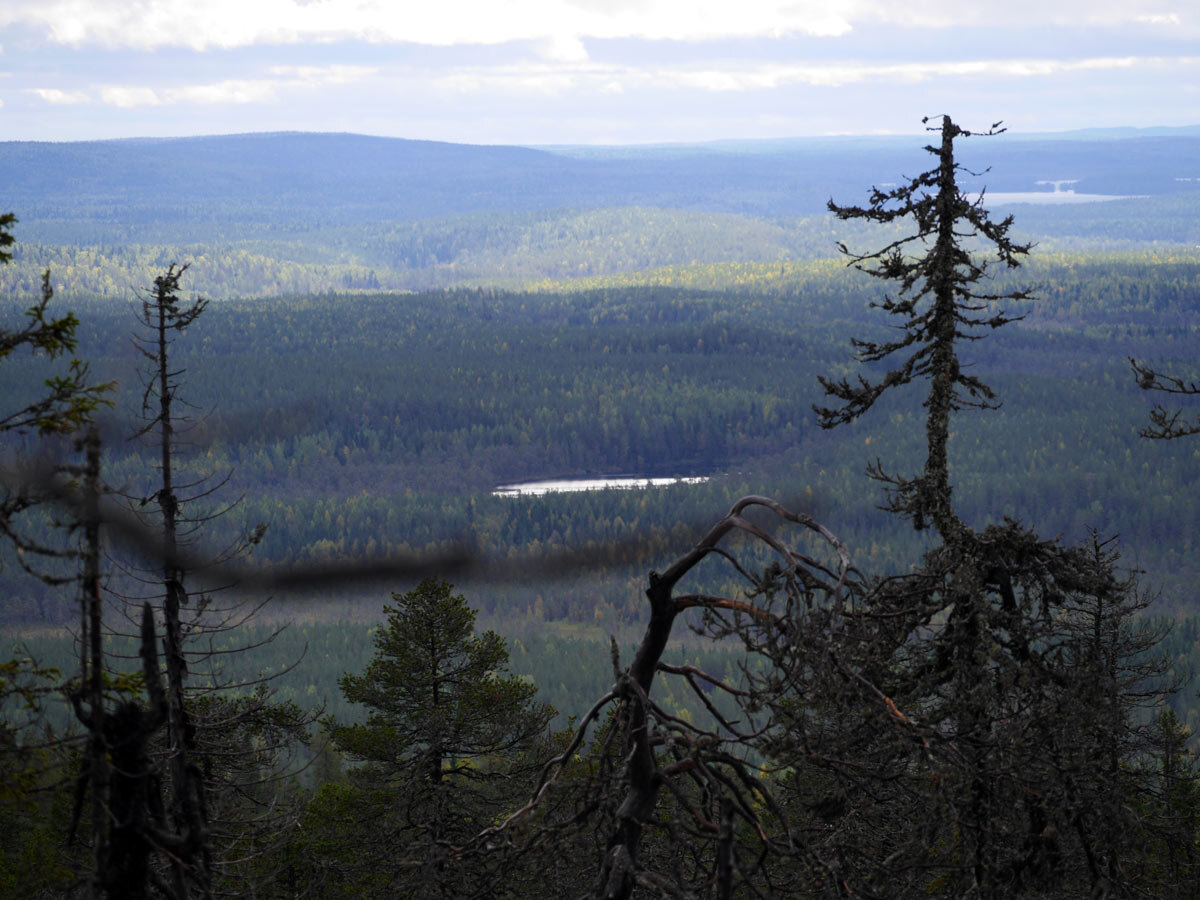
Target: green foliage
column 34, row 811
column 439, row 696
column 33, row 860
column 1174, row 806
column 7, row 220
column 69, row 399
column 449, row 737
column 363, row 426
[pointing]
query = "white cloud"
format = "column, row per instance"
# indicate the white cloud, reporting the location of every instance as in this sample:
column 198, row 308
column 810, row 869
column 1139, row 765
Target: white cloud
column 535, row 79
column 559, row 24
column 230, row 91
column 129, row 97
column 553, row 79
column 335, row 74
column 60, row 98
column 749, row 76
column 563, row 49
column 222, row 92
column 1159, row 19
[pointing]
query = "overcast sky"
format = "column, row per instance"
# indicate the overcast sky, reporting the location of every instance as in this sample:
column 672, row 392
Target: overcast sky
column 591, row 71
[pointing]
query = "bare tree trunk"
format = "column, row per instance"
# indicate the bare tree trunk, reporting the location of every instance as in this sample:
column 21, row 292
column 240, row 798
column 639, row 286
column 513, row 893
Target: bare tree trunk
column 617, row 877
column 93, row 659
column 934, row 496
column 187, row 810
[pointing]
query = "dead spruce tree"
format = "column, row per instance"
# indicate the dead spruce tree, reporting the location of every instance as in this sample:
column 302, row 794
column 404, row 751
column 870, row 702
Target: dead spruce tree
column 1020, row 784
column 186, row 867
column 220, row 751
column 940, row 305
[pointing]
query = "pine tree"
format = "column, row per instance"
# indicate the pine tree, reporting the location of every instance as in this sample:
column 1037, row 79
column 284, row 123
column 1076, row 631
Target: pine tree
column 448, row 737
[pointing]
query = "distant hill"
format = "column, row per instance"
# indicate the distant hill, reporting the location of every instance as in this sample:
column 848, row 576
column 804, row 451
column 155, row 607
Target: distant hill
column 292, row 212
column 299, row 178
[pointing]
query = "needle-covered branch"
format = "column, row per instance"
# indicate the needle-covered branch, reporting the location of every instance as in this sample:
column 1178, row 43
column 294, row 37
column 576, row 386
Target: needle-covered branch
column 67, row 404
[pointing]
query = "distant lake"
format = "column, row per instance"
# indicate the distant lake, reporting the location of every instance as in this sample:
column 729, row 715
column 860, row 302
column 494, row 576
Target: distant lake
column 1000, row 198
column 567, row 485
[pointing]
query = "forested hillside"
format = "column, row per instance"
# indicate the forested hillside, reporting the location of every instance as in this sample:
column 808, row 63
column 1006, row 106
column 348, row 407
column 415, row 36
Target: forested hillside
column 355, row 426
column 268, row 215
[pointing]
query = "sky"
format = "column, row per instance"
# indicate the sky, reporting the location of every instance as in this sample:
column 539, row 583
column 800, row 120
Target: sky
column 541, row 72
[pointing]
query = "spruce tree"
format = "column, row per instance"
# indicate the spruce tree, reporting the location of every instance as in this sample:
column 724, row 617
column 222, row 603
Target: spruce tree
column 224, row 754
column 67, row 406
column 939, row 304
column 984, row 648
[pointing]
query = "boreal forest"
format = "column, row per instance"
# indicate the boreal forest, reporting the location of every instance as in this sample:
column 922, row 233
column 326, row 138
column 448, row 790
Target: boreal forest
column 909, row 612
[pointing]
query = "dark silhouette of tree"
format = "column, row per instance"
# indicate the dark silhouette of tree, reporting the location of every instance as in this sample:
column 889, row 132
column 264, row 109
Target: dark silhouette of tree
column 68, row 405
column 939, row 304
column 725, row 822
column 127, row 819
column 1173, row 802
column 986, row 643
column 446, row 745
column 681, row 807
column 215, row 775
column 163, row 315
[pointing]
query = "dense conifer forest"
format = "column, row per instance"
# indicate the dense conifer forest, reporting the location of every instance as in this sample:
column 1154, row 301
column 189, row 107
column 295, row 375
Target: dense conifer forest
column 356, row 388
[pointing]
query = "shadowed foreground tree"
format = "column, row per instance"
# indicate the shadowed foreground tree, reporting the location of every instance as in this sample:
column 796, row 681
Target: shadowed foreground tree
column 448, row 744
column 679, row 806
column 205, row 806
column 1030, row 728
column 31, row 861
column 68, row 404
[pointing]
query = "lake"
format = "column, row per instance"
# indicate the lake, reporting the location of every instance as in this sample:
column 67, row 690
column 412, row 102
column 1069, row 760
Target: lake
column 1001, row 198
column 567, row 485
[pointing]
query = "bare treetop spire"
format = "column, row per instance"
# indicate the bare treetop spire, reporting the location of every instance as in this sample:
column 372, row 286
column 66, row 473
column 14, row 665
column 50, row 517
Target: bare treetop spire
column 939, row 304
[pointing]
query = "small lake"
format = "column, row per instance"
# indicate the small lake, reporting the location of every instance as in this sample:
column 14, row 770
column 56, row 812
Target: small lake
column 1001, row 198
column 568, row 485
